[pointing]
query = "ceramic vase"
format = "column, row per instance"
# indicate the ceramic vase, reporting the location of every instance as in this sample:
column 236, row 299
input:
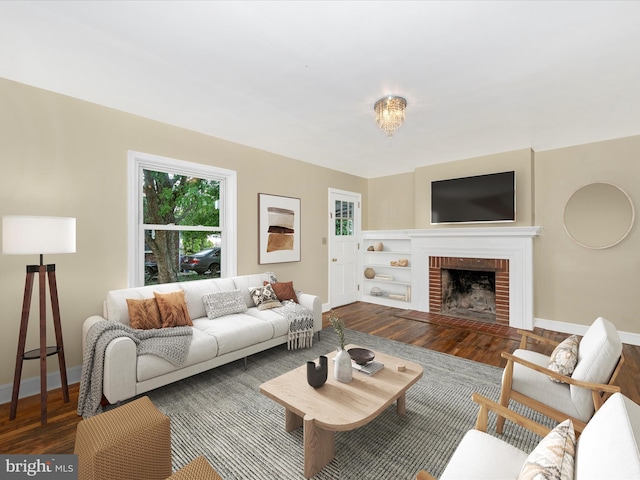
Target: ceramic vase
column 317, row 374
column 342, row 369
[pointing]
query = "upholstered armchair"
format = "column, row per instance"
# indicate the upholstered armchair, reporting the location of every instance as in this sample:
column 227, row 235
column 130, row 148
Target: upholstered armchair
column 607, row 448
column 571, row 383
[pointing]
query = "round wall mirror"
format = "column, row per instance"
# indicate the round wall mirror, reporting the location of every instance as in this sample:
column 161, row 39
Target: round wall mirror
column 599, row 215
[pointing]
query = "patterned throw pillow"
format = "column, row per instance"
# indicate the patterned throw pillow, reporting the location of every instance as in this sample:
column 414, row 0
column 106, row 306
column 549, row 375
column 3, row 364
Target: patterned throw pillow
column 553, row 458
column 219, row 304
column 144, row 314
column 264, row 297
column 284, row 291
column 564, row 358
column 173, row 309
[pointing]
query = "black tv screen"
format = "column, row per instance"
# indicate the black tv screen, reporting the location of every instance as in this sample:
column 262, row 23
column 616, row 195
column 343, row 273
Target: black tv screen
column 482, row 198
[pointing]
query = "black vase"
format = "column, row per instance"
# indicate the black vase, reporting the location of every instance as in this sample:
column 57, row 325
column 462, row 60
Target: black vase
column 317, row 374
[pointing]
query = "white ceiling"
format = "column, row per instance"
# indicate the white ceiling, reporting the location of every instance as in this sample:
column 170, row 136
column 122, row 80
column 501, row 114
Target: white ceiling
column 300, row 78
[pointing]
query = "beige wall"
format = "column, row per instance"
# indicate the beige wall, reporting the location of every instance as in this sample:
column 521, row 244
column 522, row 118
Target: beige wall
column 391, row 202
column 62, row 156
column 572, row 283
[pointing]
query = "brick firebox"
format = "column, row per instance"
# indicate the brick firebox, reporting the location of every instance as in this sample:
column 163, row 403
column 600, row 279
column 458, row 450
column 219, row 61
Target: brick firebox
column 497, row 265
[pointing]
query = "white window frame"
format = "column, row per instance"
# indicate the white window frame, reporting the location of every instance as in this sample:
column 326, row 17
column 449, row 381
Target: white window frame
column 138, row 162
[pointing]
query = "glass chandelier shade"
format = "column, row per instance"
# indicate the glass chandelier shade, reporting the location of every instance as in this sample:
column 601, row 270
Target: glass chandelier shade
column 390, row 113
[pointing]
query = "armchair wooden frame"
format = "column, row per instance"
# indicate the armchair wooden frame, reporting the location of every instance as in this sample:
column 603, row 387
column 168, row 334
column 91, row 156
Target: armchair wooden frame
column 482, row 420
column 599, row 392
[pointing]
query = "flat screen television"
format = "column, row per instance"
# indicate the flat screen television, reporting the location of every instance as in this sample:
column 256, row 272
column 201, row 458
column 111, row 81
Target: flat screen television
column 477, row 199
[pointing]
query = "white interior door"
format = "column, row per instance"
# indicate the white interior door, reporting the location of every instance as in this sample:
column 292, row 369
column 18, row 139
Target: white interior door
column 344, row 234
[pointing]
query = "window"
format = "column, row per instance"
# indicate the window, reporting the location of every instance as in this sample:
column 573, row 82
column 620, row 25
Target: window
column 182, row 220
column 344, row 218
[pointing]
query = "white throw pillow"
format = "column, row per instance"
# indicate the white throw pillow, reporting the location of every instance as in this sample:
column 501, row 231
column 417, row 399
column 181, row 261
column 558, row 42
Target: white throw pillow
column 553, row 458
column 564, row 357
column 219, row 304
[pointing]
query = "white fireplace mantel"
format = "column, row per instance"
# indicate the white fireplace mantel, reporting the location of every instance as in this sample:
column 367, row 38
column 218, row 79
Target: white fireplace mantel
column 512, row 243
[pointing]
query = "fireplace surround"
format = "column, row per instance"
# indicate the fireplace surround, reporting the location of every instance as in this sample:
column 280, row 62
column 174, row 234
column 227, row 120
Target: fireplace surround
column 507, row 250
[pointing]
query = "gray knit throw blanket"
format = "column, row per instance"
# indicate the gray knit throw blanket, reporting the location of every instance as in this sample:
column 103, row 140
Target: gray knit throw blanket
column 172, row 344
column 300, row 324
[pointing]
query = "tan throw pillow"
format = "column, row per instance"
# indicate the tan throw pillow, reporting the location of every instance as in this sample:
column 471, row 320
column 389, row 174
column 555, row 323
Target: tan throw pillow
column 284, row 291
column 564, row 357
column 173, row 309
column 144, row 314
column 553, row 458
column 264, row 297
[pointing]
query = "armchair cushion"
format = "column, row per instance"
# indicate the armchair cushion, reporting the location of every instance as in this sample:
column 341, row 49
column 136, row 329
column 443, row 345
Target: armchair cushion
column 564, row 357
column 599, row 352
column 484, row 457
column 536, row 385
column 553, row 458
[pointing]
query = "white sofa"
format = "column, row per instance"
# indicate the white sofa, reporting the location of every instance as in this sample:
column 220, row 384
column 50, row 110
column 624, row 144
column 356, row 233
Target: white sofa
column 608, row 448
column 214, row 343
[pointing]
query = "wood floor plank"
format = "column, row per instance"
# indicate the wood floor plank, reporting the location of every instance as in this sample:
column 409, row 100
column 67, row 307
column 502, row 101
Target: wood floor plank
column 26, row 435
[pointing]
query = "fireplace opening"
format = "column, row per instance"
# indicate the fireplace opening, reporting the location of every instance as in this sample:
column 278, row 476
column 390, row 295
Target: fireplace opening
column 469, row 294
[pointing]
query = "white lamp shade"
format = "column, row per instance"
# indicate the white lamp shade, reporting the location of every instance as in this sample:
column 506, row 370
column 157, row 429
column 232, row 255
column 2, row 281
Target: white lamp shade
column 25, row 235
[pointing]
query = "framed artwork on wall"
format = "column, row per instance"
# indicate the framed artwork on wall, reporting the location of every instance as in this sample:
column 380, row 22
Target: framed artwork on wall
column 278, row 229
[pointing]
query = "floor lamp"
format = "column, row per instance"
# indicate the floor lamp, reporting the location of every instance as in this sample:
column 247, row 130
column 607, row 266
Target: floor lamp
column 32, row 235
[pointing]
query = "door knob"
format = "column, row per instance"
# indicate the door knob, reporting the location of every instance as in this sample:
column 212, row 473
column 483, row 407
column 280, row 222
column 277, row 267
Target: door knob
column 334, row 259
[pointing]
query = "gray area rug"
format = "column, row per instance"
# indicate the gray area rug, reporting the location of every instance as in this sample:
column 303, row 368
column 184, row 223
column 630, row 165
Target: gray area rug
column 222, row 415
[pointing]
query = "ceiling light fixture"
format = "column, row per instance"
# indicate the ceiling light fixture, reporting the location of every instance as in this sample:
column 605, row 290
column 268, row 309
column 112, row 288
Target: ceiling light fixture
column 390, row 113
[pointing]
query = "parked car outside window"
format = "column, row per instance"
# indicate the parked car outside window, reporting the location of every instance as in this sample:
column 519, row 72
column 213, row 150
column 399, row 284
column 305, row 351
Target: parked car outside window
column 205, row 261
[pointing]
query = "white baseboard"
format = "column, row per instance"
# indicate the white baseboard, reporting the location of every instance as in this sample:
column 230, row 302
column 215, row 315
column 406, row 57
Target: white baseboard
column 31, row 386
column 575, row 329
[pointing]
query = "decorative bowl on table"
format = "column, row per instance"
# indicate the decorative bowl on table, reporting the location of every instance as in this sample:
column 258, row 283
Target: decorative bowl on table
column 361, row 356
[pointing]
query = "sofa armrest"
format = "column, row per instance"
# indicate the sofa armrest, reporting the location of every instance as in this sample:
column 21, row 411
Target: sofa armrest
column 120, row 364
column 313, row 303
column 88, row 323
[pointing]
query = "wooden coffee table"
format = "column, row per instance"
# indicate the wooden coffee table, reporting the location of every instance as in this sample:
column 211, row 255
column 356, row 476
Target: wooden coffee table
column 336, row 406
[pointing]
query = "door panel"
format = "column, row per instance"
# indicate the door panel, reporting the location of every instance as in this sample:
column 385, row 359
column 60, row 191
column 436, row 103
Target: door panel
column 343, row 248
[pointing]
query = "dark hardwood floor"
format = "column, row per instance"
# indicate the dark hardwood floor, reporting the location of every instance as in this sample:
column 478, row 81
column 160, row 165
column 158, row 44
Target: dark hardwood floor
column 476, row 341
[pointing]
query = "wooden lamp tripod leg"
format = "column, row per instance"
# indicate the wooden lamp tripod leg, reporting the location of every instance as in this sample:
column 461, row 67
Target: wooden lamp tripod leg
column 22, row 340
column 55, row 307
column 43, row 343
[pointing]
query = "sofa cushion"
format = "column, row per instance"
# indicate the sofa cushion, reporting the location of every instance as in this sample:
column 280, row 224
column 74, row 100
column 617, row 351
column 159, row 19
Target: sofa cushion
column 195, row 289
column 553, row 458
column 144, row 313
column 481, row 456
column 284, row 291
column 219, row 304
column 245, row 282
column 564, row 357
column 599, row 352
column 609, row 446
column 264, row 297
column 116, row 304
column 235, row 331
column 203, row 347
column 278, row 321
column 173, row 309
